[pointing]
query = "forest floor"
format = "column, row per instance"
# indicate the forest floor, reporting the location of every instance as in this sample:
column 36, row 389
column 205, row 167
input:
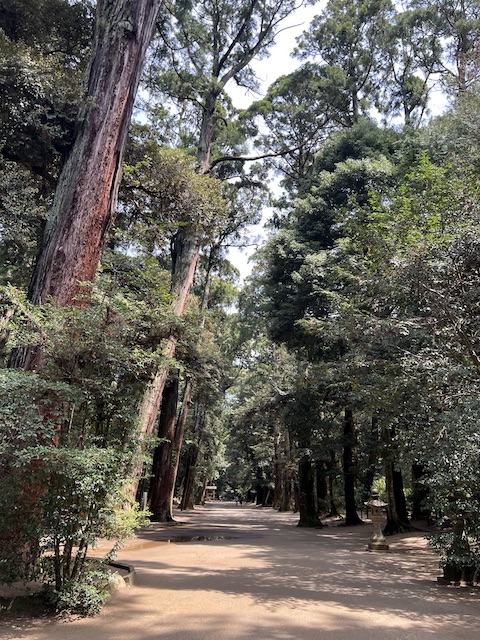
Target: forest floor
column 244, row 572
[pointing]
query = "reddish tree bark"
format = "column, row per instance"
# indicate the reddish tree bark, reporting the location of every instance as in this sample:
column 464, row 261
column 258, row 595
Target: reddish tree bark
column 86, row 195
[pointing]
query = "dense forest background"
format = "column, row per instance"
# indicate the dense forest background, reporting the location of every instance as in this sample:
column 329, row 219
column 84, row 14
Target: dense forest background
column 136, row 369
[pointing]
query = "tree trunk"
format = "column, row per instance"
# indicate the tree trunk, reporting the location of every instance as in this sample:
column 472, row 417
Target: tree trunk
column 179, row 433
column 185, row 266
column 162, row 471
column 333, row 512
column 278, row 467
column 350, row 468
column 399, row 493
column 186, row 252
column 188, row 496
column 397, row 518
column 307, row 494
column 322, row 488
column 372, row 461
column 185, row 257
column 420, row 510
column 191, row 460
column 85, row 200
column 394, row 522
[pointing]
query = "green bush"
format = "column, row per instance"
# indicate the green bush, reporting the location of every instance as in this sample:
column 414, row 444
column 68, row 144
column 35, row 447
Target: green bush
column 82, row 597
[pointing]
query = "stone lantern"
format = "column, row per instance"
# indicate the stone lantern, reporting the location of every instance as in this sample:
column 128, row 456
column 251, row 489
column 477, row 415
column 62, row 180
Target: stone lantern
column 376, row 511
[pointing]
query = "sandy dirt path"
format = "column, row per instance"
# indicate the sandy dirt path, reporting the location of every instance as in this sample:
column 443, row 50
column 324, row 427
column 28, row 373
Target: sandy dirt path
column 258, row 576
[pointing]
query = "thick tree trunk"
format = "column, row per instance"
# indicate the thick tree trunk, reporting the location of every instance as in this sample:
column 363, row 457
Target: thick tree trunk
column 350, row 468
column 307, row 494
column 86, row 196
column 206, row 131
column 85, row 200
column 162, row 470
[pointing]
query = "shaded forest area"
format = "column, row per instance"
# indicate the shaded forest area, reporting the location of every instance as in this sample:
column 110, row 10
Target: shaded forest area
column 136, row 368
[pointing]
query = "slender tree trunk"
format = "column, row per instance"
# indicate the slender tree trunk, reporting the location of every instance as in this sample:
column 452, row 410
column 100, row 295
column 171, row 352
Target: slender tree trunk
column 350, row 468
column 371, row 461
column 420, row 510
column 204, row 491
column 179, row 433
column 278, row 467
column 182, row 294
column 188, row 498
column 186, row 253
column 333, row 512
column 322, row 487
column 191, row 460
column 185, row 257
column 286, row 498
column 397, row 518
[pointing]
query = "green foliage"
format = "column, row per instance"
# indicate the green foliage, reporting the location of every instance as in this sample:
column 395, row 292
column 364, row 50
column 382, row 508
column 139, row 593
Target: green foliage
column 162, row 192
column 69, row 431
column 82, row 597
column 348, row 37
column 44, row 48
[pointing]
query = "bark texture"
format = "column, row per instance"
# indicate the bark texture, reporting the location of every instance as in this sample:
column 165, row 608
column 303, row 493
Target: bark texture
column 307, row 494
column 349, row 467
column 185, row 259
column 86, row 196
column 162, row 480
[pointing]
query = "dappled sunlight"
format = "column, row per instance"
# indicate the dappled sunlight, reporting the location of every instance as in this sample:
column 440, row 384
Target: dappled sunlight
column 274, row 580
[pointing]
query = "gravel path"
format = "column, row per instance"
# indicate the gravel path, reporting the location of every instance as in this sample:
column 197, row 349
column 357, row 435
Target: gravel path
column 251, row 573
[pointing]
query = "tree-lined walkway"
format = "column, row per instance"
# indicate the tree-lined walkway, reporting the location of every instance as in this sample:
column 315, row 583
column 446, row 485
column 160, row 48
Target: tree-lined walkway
column 251, row 573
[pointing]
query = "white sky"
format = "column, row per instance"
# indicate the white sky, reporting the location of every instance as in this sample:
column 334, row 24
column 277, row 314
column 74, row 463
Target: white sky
column 268, row 70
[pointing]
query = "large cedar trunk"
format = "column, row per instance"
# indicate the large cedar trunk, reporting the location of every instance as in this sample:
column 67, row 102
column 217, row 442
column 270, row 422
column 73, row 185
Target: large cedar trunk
column 86, row 196
column 163, row 469
column 350, row 468
column 185, row 258
column 85, row 200
column 307, row 494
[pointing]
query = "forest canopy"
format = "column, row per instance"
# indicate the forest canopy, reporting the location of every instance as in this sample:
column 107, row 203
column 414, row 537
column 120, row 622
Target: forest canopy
column 137, row 368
